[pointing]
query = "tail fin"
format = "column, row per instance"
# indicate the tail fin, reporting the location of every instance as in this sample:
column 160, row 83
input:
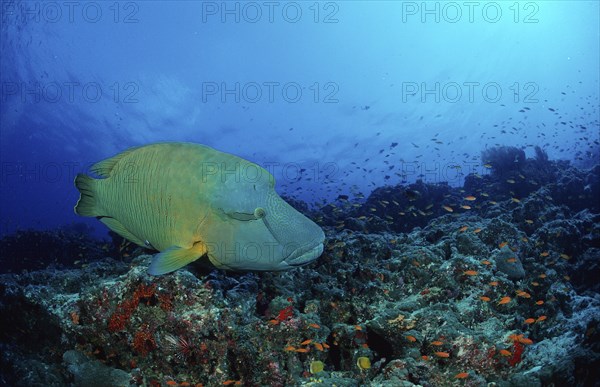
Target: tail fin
column 86, row 205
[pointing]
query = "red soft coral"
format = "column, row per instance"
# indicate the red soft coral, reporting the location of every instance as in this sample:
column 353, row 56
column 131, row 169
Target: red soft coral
column 516, row 357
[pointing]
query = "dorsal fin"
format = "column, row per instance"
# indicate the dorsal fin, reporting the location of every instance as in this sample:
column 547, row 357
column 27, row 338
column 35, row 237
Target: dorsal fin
column 104, row 167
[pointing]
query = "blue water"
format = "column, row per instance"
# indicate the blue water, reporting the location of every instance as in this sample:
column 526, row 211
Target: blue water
column 332, row 97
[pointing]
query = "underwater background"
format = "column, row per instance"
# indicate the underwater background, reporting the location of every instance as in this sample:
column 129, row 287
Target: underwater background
column 449, row 150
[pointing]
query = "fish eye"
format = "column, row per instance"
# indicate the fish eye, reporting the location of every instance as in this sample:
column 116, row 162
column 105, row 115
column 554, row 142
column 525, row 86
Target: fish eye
column 259, row 213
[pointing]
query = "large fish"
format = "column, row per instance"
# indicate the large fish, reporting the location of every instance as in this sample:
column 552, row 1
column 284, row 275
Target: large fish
column 188, row 200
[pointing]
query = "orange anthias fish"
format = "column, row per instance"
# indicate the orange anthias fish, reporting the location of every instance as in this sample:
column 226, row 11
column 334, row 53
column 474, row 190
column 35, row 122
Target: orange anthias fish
column 525, row 340
column 521, row 339
column 470, row 272
column 462, row 375
column 504, row 300
column 442, row 354
column 470, row 198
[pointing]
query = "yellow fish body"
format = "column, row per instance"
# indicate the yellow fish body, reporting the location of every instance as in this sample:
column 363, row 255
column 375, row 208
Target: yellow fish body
column 187, row 200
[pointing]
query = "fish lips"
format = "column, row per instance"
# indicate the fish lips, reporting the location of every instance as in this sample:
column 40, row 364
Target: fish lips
column 304, row 255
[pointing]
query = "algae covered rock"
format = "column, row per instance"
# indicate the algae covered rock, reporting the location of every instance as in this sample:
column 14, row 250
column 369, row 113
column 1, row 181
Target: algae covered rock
column 508, row 263
column 92, row 373
column 495, row 292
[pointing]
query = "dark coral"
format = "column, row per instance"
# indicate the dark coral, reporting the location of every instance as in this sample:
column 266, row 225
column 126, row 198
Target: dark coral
column 504, row 159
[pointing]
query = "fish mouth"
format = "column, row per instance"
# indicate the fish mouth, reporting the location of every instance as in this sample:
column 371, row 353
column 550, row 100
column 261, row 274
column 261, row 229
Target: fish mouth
column 305, row 254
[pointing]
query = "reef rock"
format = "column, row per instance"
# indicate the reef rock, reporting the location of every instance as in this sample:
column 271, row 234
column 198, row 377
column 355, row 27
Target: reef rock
column 508, row 263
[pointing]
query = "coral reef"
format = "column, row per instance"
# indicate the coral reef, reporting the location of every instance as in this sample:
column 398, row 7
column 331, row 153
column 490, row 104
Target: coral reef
column 67, row 247
column 505, row 159
column 502, row 290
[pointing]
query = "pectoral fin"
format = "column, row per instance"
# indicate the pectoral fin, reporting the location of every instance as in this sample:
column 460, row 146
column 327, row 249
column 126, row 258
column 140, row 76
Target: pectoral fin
column 175, row 258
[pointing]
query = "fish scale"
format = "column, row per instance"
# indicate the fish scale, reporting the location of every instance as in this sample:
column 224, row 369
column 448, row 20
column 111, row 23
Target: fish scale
column 156, row 222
